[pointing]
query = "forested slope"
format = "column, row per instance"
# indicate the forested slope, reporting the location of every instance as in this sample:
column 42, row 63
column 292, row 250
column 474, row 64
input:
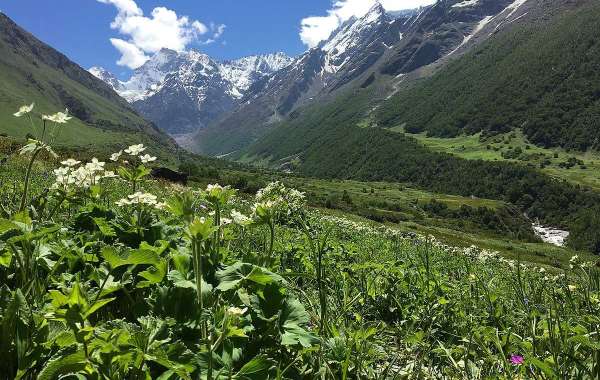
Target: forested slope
column 542, row 76
column 332, row 141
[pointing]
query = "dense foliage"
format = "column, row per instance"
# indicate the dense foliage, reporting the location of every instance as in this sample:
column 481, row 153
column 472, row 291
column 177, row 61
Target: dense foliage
column 102, row 279
column 542, row 76
column 329, row 144
column 100, row 285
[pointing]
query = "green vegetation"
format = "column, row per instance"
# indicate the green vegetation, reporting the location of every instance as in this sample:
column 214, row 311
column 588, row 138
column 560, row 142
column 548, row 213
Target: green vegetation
column 326, row 142
column 32, row 72
column 575, row 167
column 108, row 275
column 540, row 76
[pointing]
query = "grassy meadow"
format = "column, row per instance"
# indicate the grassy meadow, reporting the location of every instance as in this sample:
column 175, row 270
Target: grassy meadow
column 576, row 167
column 108, row 274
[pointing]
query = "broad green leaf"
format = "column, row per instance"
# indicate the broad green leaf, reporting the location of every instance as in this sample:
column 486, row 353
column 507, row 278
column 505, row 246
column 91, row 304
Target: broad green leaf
column 5, row 258
column 132, row 257
column 154, row 275
column 293, row 317
column 104, row 227
column 544, row 367
column 201, row 228
column 77, row 297
column 97, row 306
column 259, row 366
column 232, row 276
column 179, row 281
column 64, row 363
column 7, row 225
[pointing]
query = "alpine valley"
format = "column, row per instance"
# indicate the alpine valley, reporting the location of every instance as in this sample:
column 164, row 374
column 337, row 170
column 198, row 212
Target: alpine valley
column 389, row 92
column 417, row 196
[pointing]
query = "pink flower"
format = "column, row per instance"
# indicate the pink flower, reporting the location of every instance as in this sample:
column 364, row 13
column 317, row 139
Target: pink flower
column 516, row 359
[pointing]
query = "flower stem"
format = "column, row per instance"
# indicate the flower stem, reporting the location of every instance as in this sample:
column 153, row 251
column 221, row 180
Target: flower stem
column 28, row 178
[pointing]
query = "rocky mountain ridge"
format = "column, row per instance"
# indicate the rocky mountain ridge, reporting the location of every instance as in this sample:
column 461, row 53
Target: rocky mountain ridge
column 184, row 91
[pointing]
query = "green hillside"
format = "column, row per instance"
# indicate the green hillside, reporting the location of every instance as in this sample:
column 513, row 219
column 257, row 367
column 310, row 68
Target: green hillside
column 331, row 141
column 31, row 71
column 542, row 76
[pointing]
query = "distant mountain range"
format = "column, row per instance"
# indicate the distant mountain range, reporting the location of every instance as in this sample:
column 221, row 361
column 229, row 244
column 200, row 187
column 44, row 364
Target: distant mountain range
column 226, row 106
column 380, row 49
column 185, row 91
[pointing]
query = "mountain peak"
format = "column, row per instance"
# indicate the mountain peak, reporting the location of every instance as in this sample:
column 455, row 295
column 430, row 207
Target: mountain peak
column 377, row 9
column 355, row 31
column 206, row 86
column 106, row 76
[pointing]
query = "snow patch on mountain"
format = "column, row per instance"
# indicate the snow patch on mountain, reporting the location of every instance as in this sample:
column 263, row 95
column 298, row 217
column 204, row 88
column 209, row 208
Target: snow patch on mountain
column 477, row 29
column 351, row 36
column 244, row 72
column 191, row 67
column 514, row 7
column 467, row 3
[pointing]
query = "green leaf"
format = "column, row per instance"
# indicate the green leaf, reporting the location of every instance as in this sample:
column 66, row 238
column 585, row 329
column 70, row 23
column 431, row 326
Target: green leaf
column 154, row 275
column 63, row 364
column 544, row 367
column 179, row 281
column 5, row 258
column 104, row 227
column 125, row 174
column 97, row 306
column 7, row 225
column 259, row 366
column 234, row 275
column 133, row 257
column 201, row 228
column 585, row 341
column 292, row 318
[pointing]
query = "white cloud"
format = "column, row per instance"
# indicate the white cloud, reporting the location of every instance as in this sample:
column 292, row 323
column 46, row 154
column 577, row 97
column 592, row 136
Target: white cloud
column 131, row 55
column 125, row 7
column 218, row 30
column 318, row 28
column 147, row 35
column 200, row 27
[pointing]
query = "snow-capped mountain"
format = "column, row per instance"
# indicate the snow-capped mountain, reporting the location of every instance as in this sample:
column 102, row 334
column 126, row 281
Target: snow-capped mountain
column 184, row 91
column 377, row 45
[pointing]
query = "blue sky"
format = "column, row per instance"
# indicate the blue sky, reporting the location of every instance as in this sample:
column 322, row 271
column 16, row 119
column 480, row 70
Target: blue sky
column 82, row 28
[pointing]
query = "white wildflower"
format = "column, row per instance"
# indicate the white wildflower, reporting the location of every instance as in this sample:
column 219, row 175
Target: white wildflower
column 24, row 110
column 61, row 171
column 236, row 311
column 214, row 188
column 58, row 118
column 140, row 198
column 123, row 202
column 161, row 206
column 71, row 163
column 115, row 156
column 110, row 174
column 95, row 165
column 147, row 158
column 135, row 150
column 239, row 218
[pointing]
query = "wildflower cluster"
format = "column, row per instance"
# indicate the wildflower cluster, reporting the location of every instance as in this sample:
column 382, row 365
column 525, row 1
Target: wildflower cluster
column 278, row 202
column 73, row 176
column 141, row 199
column 133, row 151
column 58, row 118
